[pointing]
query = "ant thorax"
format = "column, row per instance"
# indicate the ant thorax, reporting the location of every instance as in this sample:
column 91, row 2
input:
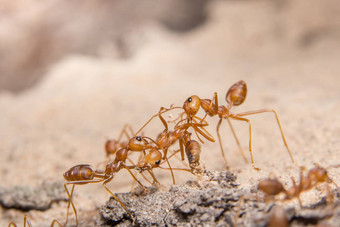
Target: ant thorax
column 222, row 111
column 208, row 107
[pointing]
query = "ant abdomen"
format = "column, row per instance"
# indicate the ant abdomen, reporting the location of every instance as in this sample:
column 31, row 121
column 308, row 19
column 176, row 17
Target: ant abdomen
column 111, row 146
column 193, row 152
column 237, row 93
column 271, row 187
column 79, row 172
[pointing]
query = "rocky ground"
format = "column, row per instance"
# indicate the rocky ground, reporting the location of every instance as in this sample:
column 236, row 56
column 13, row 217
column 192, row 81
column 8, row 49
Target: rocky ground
column 67, row 87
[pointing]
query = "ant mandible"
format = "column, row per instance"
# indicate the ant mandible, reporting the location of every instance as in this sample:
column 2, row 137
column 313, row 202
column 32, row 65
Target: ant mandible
column 235, row 96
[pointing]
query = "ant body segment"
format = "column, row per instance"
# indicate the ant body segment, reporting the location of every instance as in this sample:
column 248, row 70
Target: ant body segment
column 235, row 96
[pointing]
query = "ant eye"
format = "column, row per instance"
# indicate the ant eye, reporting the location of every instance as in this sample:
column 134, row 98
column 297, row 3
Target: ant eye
column 189, row 99
column 157, row 162
column 138, row 138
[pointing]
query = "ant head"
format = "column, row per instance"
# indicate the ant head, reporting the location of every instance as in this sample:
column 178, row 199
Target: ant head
column 270, row 186
column 151, row 160
column 237, row 93
column 319, row 174
column 192, row 105
column 137, row 143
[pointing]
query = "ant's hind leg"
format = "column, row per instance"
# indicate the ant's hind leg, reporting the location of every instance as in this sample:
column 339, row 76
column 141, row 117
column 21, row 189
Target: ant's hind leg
column 26, row 221
column 220, row 142
column 135, row 179
column 250, row 149
column 70, row 202
column 120, row 202
column 170, row 168
column 237, row 140
column 57, row 223
column 278, row 122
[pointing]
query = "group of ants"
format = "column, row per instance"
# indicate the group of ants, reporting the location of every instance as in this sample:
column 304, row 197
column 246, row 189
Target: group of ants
column 154, row 153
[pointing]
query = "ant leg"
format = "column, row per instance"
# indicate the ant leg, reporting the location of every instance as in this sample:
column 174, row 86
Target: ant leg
column 329, row 195
column 131, row 131
column 297, row 188
column 198, row 136
column 220, row 142
column 69, row 195
column 162, row 120
column 278, row 122
column 124, row 132
column 205, row 134
column 120, row 202
column 134, row 177
column 172, row 173
column 181, row 147
column 250, row 149
column 237, row 140
column 133, row 164
column 161, row 111
column 70, row 202
column 182, row 169
column 179, row 159
column 153, row 177
column 56, row 222
column 26, row 221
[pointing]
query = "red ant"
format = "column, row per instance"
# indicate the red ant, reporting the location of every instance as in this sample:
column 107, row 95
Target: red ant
column 236, row 95
column 272, row 187
column 84, row 174
column 168, row 138
column 112, row 146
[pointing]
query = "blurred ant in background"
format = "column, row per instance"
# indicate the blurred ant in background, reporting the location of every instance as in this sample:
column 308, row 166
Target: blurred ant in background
column 317, row 175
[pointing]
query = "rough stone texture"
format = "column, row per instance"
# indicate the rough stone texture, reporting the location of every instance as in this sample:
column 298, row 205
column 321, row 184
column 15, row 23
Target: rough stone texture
column 214, row 200
column 211, row 201
column 32, row 198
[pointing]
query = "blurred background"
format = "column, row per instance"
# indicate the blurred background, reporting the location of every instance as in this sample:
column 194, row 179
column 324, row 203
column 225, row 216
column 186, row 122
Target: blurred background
column 73, row 73
column 36, row 35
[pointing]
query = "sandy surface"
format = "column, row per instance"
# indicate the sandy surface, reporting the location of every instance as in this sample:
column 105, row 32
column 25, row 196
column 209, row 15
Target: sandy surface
column 289, row 63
